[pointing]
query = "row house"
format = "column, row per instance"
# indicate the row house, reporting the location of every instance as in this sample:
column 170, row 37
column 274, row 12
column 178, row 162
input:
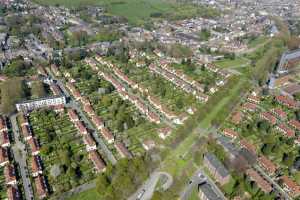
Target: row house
column 41, row 187
column 55, row 89
column 13, row 193
column 98, row 122
column 98, row 162
column 58, row 108
column 34, row 146
column 22, row 119
column 267, row 164
column 3, row 156
column 85, row 101
column 290, row 186
column 72, row 115
column 124, row 78
column 81, row 128
column 103, row 62
column 216, row 168
column 91, row 62
column 279, row 113
column 286, row 130
column 10, row 175
column 264, row 185
column 75, row 93
column 89, row 110
column 26, row 132
column 268, row 117
column 230, row 133
column 237, row 117
column 295, row 124
column 36, row 166
column 164, row 132
column 4, row 139
column 55, row 70
column 250, row 147
column 89, row 142
column 107, row 135
column 41, row 70
column 122, row 150
column 251, row 107
column 3, row 126
column 287, row 101
column 253, row 99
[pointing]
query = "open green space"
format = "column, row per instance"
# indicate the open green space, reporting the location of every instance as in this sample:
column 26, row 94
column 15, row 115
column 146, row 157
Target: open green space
column 140, row 11
column 3, row 194
column 235, row 63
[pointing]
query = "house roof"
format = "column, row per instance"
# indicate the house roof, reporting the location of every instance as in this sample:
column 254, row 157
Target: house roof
column 97, row 160
column 3, row 155
column 40, row 186
column 267, row 164
column 292, row 185
column 294, row 123
column 260, row 181
column 214, row 161
column 13, row 193
column 122, row 149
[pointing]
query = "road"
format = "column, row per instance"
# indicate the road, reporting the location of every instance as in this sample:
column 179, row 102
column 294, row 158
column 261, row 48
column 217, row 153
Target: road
column 146, row 191
column 76, row 106
column 270, row 180
column 199, row 177
column 81, row 188
column 20, row 155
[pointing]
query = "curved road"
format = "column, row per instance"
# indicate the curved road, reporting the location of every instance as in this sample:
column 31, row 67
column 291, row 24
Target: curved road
column 146, row 191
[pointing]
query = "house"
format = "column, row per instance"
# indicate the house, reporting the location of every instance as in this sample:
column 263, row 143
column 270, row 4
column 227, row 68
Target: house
column 4, row 139
column 97, row 161
column 26, row 133
column 267, row 164
column 72, row 115
column 77, row 95
column 122, row 150
column 34, row 146
column 290, row 186
column 295, row 124
column 3, row 156
column 153, row 117
column 55, row 89
column 98, row 122
column 253, row 99
column 10, row 175
column 286, row 130
column 164, row 132
column 13, row 193
column 287, row 101
column 55, row 70
column 237, row 117
column 22, row 120
column 41, row 188
column 80, row 126
column 107, row 135
column 230, row 133
column 216, row 168
column 36, row 166
column 259, row 180
column 89, row 110
column 207, row 192
column 89, row 142
column 3, row 126
column 279, row 113
column 148, row 144
column 250, row 147
column 58, row 108
column 268, row 117
column 249, row 107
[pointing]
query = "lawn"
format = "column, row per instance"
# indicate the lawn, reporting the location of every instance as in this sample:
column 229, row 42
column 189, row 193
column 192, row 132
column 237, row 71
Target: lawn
column 86, row 195
column 235, row 63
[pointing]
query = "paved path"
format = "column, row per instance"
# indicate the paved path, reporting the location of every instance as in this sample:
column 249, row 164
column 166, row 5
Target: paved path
column 81, row 188
column 146, row 191
column 20, row 155
column 76, row 106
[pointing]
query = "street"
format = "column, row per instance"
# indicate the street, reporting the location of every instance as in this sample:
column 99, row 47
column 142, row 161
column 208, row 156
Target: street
column 20, row 155
column 146, row 191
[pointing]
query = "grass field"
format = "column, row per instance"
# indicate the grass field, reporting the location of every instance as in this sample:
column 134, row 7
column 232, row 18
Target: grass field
column 138, row 11
column 227, row 63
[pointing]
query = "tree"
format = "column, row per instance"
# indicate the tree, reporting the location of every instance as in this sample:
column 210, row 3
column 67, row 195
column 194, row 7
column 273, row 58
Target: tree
column 38, row 89
column 102, row 184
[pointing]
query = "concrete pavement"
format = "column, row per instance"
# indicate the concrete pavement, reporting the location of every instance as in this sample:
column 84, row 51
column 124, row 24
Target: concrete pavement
column 20, row 155
column 146, row 191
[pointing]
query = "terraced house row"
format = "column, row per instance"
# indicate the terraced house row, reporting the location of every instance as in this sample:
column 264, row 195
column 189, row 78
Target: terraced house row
column 36, row 161
column 9, row 169
column 98, row 122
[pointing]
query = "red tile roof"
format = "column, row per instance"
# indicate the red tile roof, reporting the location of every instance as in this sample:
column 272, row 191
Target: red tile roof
column 287, row 101
column 293, row 187
column 250, row 147
column 295, row 124
column 108, row 136
column 9, row 174
column 122, row 149
column 3, row 155
column 4, row 138
column 72, row 115
column 80, row 126
column 230, row 133
column 262, row 183
column 279, row 113
column 13, row 193
column 286, row 130
column 269, row 117
column 34, row 146
column 40, row 186
column 97, row 160
column 267, row 164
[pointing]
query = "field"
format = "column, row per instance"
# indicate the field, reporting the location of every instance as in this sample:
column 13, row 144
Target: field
column 235, row 63
column 138, row 11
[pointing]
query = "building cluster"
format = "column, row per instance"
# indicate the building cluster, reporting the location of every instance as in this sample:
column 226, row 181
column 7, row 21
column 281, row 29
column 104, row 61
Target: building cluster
column 36, row 161
column 96, row 120
column 90, row 143
column 10, row 174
